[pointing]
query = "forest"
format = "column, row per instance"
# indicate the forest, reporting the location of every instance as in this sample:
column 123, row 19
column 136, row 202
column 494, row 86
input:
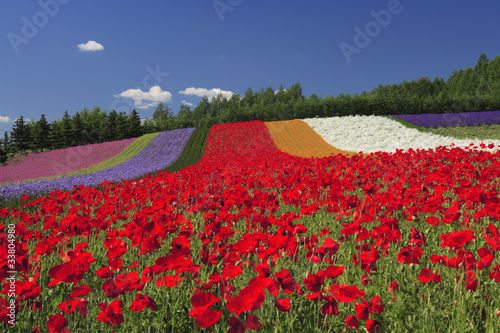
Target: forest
column 466, row 90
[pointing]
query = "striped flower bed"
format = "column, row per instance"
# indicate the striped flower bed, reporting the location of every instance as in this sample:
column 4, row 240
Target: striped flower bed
column 162, row 151
column 61, row 161
column 297, row 138
column 452, row 119
column 371, row 134
column 129, row 152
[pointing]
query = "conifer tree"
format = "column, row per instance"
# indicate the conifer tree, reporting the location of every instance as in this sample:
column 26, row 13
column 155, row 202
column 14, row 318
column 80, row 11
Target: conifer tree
column 134, row 125
column 42, row 133
column 67, row 130
column 20, row 135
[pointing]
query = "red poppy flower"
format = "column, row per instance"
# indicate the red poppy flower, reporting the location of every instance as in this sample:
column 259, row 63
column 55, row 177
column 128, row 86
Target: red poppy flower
column 122, row 283
column 141, row 302
column 330, row 307
column 393, row 286
column 71, row 306
column 236, row 325
column 82, row 290
column 57, row 323
column 352, row 322
column 253, row 322
column 334, row 271
column 427, row 275
column 104, row 272
column 373, row 326
column 495, row 275
column 457, row 239
column 410, row 255
column 283, row 304
column 345, row 293
column 169, row 281
column 286, row 281
column 365, row 280
column 470, row 282
column 201, row 303
column 314, row 282
column 111, row 313
column 364, row 309
column 249, row 298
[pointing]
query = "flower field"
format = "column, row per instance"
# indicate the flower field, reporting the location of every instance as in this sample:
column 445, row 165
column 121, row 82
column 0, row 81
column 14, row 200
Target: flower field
column 479, row 132
column 57, row 162
column 452, row 119
column 120, row 158
column 297, row 138
column 255, row 239
column 370, row 134
column 159, row 153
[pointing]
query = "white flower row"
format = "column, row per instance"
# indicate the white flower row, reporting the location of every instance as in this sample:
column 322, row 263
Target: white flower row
column 370, row 134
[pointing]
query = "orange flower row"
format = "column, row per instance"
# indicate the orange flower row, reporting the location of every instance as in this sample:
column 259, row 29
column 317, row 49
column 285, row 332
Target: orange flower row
column 297, row 138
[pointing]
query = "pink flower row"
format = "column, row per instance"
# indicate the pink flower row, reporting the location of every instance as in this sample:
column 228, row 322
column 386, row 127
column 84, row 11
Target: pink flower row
column 61, row 161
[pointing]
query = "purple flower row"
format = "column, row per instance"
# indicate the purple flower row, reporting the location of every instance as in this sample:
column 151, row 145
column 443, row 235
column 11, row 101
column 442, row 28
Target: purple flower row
column 161, row 152
column 61, row 161
column 452, row 119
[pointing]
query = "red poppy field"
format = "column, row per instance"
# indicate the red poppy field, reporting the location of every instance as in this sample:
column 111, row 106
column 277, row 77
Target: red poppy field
column 254, row 239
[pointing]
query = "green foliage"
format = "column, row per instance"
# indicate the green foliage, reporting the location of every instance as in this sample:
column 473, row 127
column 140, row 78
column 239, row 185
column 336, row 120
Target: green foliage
column 134, row 125
column 409, row 125
column 20, row 135
column 42, row 133
column 5, row 142
column 482, row 132
column 193, row 152
column 3, row 156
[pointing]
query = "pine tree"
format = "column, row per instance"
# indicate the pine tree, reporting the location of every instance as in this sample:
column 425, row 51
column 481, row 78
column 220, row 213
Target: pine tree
column 20, row 135
column 77, row 129
column 121, row 130
column 56, row 136
column 134, row 125
column 3, row 156
column 162, row 112
column 67, row 130
column 6, row 142
column 4, row 148
column 111, row 126
column 42, row 133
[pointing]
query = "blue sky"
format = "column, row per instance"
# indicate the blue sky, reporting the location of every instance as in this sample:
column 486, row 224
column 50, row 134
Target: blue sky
column 175, row 51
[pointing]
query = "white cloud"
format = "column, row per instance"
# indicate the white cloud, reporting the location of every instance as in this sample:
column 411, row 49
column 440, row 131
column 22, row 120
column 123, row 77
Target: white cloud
column 5, row 120
column 146, row 99
column 186, row 103
column 90, row 46
column 284, row 90
column 200, row 92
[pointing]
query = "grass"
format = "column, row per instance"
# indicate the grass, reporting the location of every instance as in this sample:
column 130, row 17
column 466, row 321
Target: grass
column 193, row 151
column 481, row 132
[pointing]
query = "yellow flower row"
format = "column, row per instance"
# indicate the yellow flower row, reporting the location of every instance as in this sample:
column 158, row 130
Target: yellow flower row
column 297, row 138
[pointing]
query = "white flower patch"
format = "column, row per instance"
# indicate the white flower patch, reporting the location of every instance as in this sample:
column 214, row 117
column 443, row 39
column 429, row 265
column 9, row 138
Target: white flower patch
column 371, row 134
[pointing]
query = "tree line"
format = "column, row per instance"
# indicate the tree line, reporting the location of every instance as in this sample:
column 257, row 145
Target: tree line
column 472, row 89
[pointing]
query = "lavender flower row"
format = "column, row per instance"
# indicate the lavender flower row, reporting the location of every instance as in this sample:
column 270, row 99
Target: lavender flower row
column 161, row 152
column 452, row 119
